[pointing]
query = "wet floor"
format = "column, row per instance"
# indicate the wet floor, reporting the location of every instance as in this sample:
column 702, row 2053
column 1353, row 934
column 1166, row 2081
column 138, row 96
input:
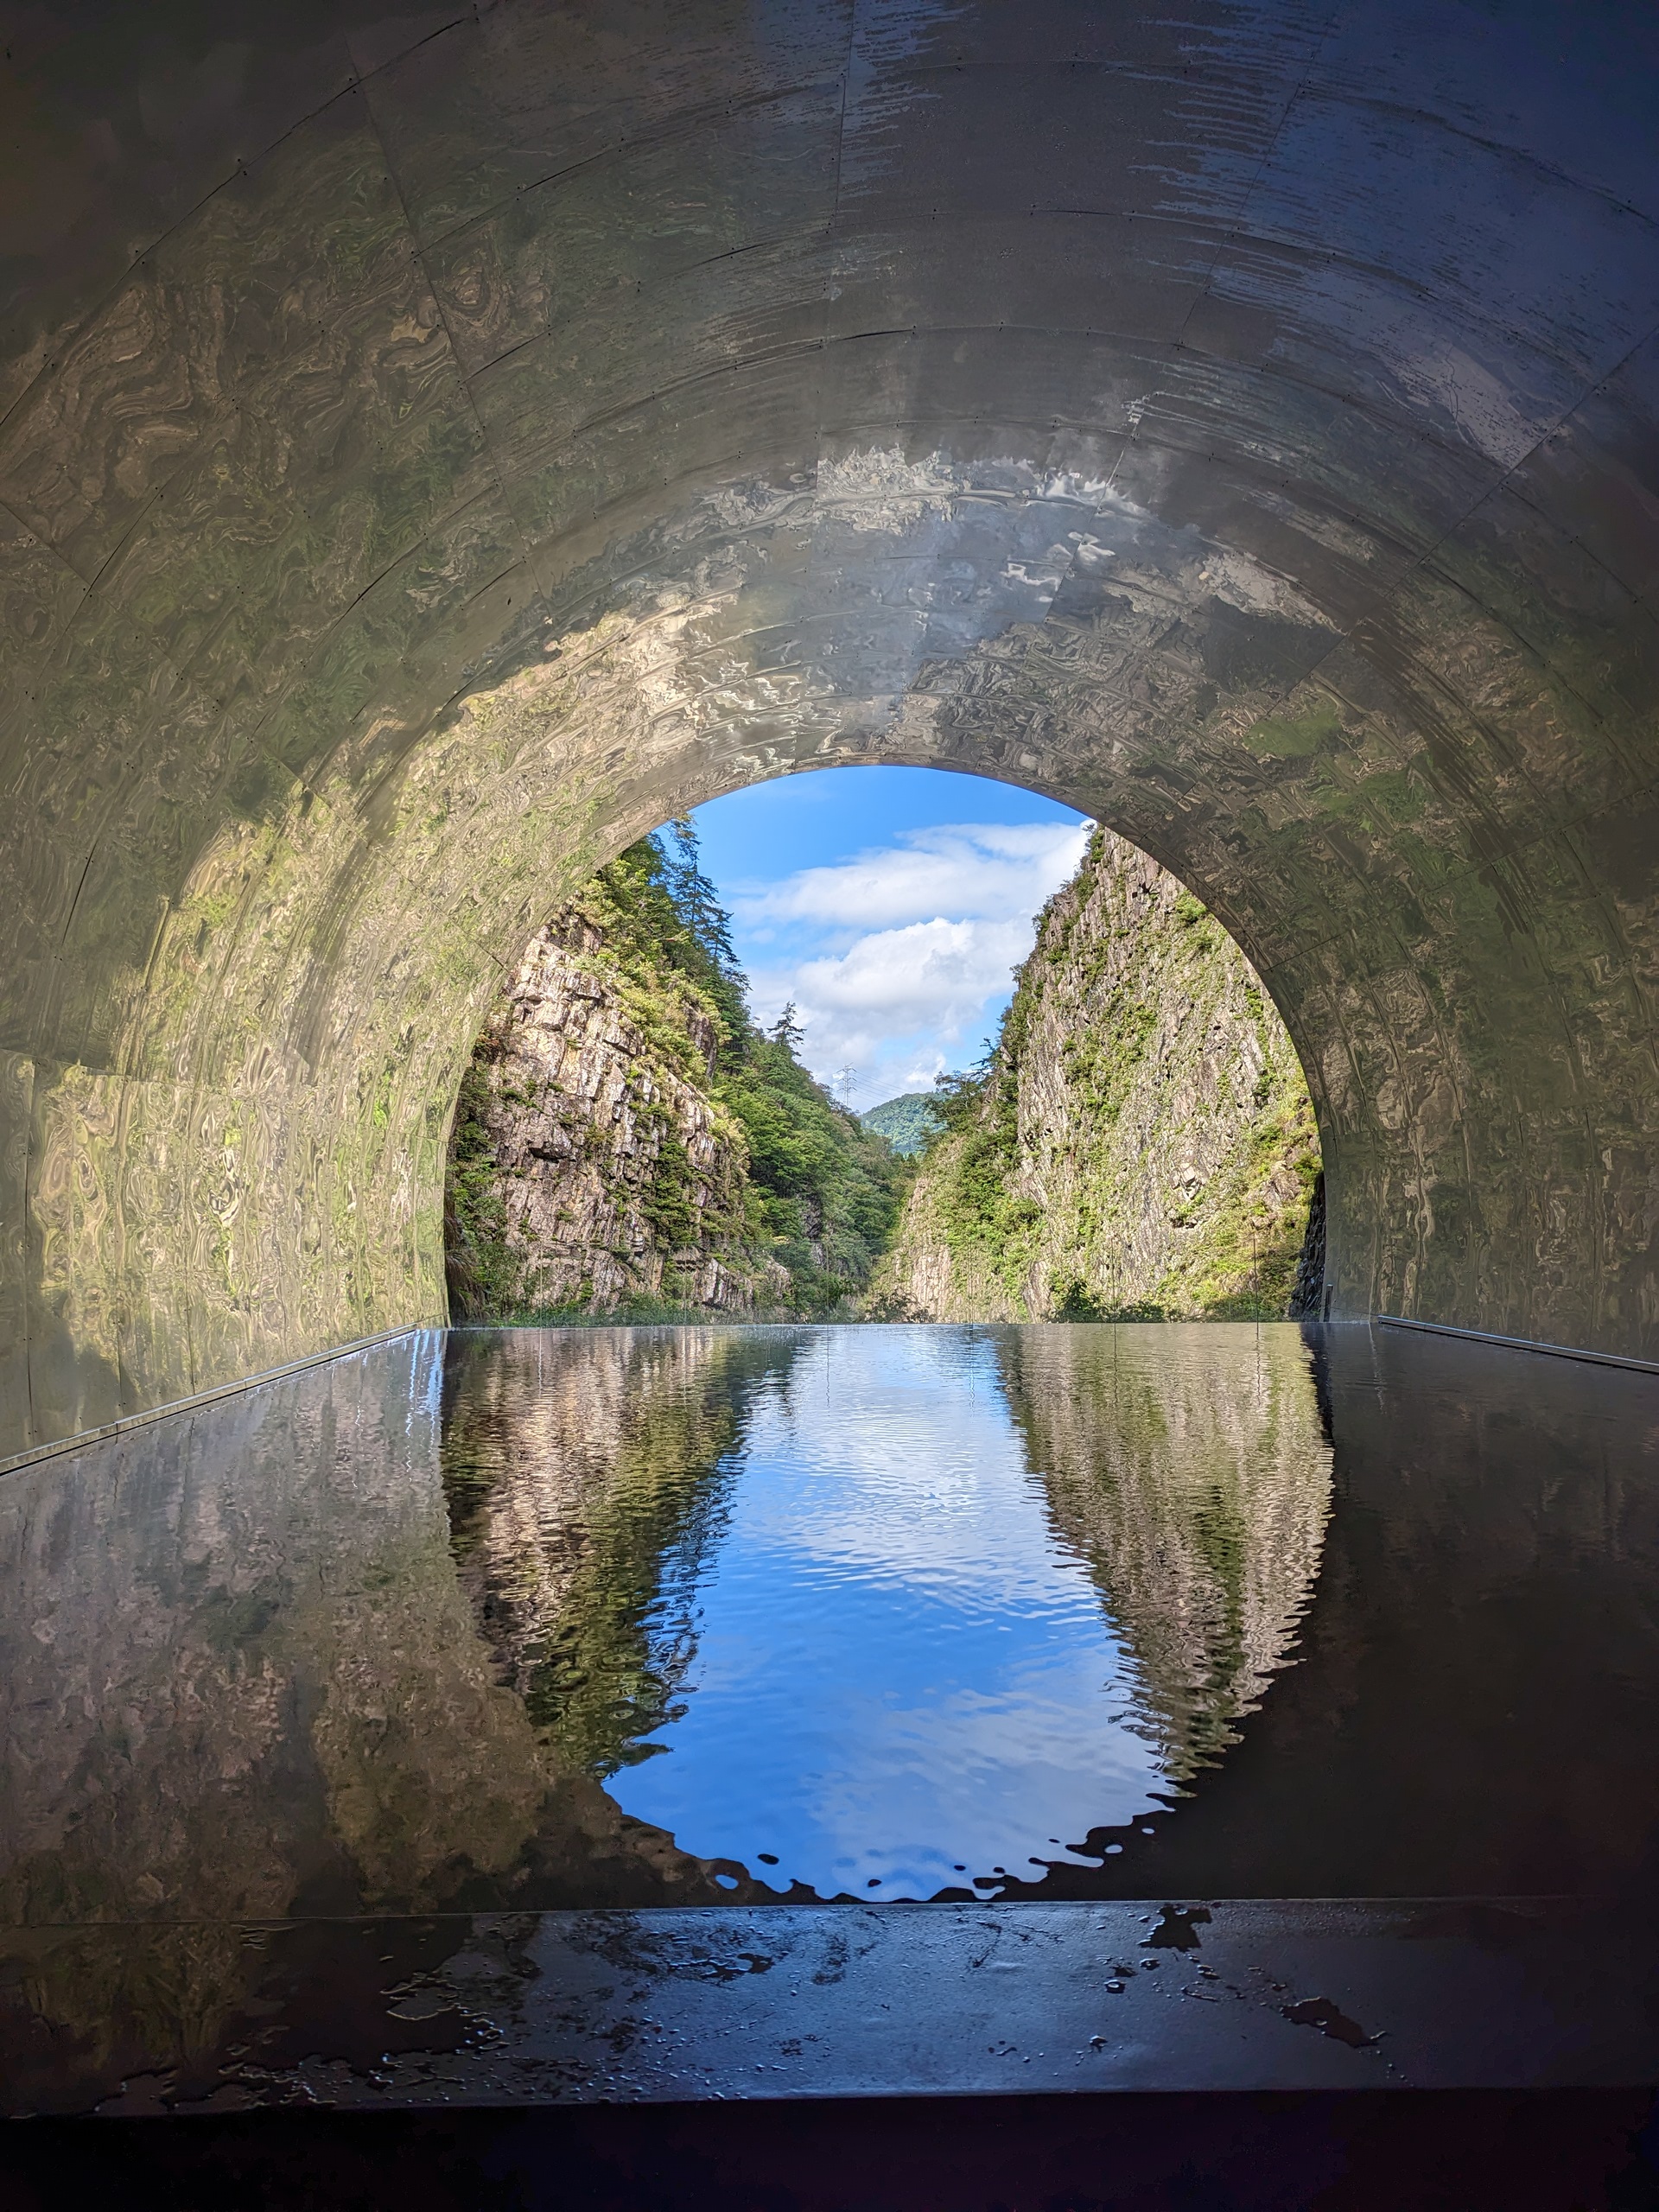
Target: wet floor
column 539, row 1622
column 633, row 1616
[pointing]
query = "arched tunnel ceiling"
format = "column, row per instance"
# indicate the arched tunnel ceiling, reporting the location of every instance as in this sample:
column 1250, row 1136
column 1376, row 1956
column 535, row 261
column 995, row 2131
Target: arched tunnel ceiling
column 438, row 447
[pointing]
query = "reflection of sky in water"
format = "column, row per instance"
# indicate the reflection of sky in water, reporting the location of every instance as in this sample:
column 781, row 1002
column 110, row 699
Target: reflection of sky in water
column 899, row 1670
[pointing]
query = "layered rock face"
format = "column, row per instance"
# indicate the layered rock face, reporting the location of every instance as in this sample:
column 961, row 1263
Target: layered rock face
column 619, row 1174
column 628, row 1141
column 1144, row 1142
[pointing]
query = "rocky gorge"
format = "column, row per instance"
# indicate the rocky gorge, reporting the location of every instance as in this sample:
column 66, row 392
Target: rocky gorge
column 613, row 1165
column 1139, row 1144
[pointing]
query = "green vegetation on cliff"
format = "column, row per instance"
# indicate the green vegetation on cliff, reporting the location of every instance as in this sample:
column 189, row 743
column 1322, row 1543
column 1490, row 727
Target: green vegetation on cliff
column 1137, row 1144
column 630, row 1144
column 824, row 1193
column 628, row 1141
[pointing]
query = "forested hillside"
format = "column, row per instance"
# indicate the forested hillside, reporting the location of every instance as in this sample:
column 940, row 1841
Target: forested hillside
column 1140, row 1143
column 628, row 1141
column 906, row 1121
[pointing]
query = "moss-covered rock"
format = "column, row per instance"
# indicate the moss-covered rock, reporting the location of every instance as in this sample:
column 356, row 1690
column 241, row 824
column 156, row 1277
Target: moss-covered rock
column 1141, row 1144
column 628, row 1143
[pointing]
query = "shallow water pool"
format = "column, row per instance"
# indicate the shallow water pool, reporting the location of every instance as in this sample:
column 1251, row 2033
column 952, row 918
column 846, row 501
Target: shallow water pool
column 888, row 1612
column 546, row 1619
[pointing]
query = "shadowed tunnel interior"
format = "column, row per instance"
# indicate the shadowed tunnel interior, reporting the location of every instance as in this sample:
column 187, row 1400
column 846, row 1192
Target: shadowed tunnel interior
column 436, row 447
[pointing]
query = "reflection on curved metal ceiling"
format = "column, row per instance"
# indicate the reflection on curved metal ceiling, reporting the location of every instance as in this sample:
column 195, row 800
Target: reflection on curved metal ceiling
column 438, row 446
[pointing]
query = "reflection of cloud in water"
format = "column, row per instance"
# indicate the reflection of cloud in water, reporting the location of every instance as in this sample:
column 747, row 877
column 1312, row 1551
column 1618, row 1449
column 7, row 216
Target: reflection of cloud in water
column 920, row 1792
column 800, row 1592
column 905, row 1664
column 913, row 1480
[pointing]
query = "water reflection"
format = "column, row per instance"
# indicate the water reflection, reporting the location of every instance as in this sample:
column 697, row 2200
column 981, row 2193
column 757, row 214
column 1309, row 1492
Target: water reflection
column 588, row 1478
column 242, row 1680
column 809, row 1577
column 259, row 1663
column 1189, row 1471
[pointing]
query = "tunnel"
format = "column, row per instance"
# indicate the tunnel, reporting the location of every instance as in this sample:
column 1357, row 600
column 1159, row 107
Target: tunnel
column 439, row 447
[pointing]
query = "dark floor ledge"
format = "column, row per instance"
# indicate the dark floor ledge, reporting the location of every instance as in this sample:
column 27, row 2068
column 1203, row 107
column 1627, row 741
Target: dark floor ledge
column 507, row 2010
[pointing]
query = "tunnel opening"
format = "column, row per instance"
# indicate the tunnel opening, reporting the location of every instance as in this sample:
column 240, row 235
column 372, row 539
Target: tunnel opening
column 434, row 450
column 232, row 1153
column 692, row 1529
column 1126, row 1133
column 241, row 1159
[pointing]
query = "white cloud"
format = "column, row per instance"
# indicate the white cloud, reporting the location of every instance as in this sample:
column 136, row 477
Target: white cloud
column 987, row 870
column 935, row 976
column 904, row 953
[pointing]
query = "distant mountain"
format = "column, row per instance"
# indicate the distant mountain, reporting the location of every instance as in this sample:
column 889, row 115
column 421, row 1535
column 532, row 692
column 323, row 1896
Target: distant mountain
column 906, row 1123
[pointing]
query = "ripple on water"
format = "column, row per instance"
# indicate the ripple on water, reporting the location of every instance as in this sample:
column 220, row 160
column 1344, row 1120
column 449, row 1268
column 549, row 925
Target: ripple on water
column 861, row 1608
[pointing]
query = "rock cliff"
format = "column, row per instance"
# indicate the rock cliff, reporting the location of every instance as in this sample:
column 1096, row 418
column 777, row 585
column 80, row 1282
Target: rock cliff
column 628, row 1142
column 619, row 1174
column 1142, row 1141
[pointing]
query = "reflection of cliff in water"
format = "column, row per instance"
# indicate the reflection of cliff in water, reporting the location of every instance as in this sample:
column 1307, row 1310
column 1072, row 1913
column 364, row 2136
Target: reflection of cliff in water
column 587, row 1477
column 240, row 1680
column 1192, row 1478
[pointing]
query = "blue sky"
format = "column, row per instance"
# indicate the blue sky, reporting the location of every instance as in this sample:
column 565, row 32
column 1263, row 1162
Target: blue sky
column 891, row 904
